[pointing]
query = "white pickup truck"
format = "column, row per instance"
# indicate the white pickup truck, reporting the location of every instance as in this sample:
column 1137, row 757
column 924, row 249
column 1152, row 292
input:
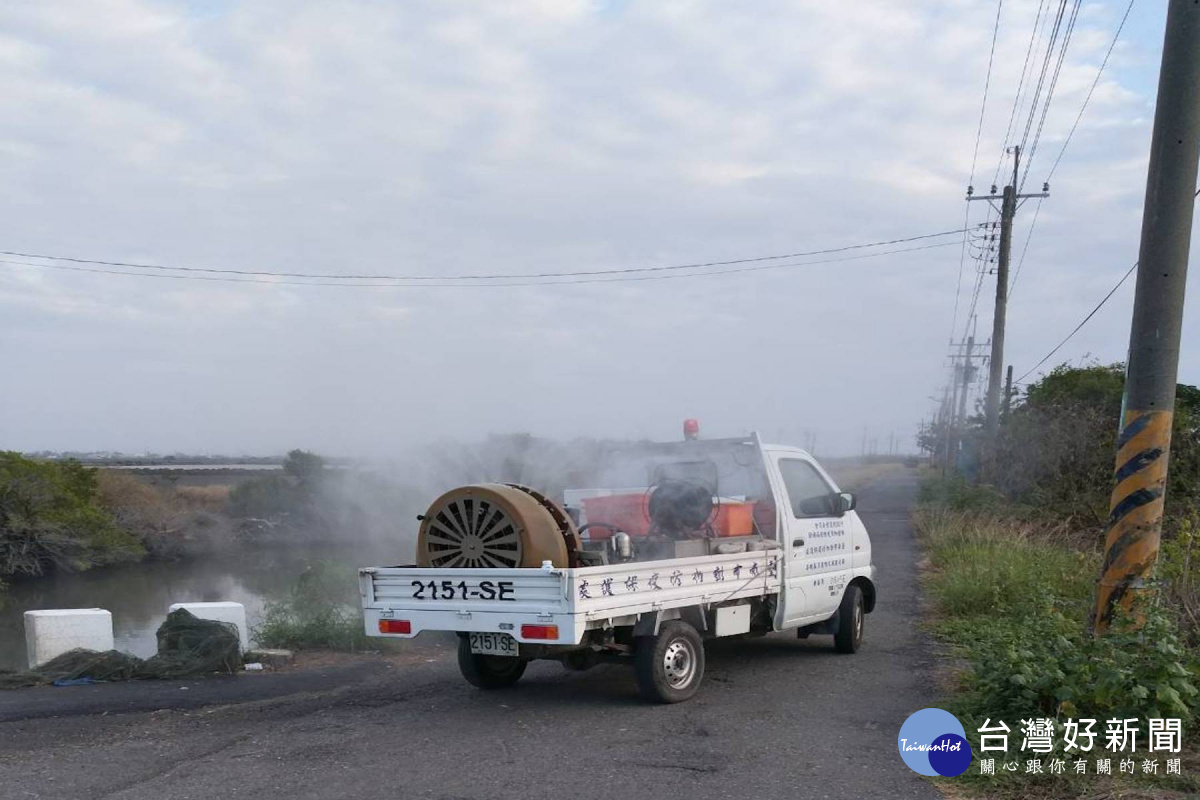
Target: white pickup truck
column 716, row 538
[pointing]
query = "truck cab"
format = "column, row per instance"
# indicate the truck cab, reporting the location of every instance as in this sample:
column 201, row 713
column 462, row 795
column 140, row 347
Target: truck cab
column 826, row 545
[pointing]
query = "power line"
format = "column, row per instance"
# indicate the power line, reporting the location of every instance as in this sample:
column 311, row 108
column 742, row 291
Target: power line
column 1062, row 56
column 1078, row 327
column 1032, row 224
column 1037, row 92
column 1088, row 98
column 494, row 276
column 1012, row 115
column 1070, row 134
column 619, row 279
column 981, row 270
column 1085, row 320
column 987, row 82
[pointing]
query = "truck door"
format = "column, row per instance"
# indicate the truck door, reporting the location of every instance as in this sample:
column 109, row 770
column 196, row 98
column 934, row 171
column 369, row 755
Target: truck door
column 816, row 540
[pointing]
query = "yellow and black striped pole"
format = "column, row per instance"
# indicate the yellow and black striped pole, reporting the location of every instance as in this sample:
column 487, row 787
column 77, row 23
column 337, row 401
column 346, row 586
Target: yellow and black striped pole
column 1135, row 516
column 1144, row 444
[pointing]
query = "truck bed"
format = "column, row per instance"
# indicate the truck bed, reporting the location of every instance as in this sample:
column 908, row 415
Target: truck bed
column 574, row 600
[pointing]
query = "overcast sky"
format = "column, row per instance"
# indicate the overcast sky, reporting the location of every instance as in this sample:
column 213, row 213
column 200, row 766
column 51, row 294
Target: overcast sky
column 525, row 136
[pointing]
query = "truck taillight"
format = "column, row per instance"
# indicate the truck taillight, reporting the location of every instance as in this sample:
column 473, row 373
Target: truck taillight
column 539, row 631
column 395, row 626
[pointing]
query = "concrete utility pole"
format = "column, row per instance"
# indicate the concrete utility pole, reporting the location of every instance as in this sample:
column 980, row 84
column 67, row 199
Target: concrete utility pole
column 1136, row 507
column 946, row 415
column 1009, row 200
column 953, row 412
column 968, row 372
column 1006, row 405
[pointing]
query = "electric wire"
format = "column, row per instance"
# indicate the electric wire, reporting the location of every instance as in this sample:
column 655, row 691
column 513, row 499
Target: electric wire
column 1037, row 93
column 1021, row 262
column 1078, row 327
column 1031, row 152
column 489, row 277
column 461, row 285
column 1070, row 134
column 1020, row 85
column 1086, row 319
column 1091, row 89
column 987, row 82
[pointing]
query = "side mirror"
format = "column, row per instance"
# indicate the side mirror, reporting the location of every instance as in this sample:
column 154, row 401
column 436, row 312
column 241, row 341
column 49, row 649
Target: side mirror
column 846, row 501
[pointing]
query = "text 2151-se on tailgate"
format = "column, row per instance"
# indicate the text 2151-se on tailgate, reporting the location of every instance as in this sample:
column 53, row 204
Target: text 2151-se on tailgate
column 687, row 541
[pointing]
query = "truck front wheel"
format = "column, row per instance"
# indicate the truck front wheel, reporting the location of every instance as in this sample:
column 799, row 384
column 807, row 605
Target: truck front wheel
column 488, row 672
column 670, row 665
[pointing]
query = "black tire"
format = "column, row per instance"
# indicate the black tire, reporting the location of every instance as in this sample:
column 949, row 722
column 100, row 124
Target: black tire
column 488, row 672
column 851, row 621
column 670, row 666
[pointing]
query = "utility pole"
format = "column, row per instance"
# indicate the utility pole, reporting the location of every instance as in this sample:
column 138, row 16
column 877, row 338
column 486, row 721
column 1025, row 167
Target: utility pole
column 1009, row 201
column 1143, row 446
column 1006, row 405
column 968, row 372
column 954, row 404
column 952, row 414
column 945, row 414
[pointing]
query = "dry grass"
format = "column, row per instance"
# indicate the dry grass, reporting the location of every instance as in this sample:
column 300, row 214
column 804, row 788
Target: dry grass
column 169, row 521
column 853, row 477
column 203, row 498
column 120, row 490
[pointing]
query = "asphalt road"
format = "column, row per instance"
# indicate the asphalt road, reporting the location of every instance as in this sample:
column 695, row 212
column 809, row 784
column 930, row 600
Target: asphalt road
column 777, row 717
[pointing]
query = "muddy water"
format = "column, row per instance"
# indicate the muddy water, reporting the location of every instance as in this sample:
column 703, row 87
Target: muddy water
column 138, row 595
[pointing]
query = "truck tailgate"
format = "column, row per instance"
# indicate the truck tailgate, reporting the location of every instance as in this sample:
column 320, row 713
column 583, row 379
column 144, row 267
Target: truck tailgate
column 468, row 600
column 571, row 600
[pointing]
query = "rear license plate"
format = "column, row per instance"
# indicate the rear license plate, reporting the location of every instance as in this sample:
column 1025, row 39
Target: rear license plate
column 493, row 644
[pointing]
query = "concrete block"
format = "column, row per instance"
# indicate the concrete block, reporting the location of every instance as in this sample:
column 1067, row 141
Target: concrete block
column 52, row 632
column 222, row 612
column 271, row 658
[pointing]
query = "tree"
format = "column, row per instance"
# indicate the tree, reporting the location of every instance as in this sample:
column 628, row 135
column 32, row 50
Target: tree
column 1056, row 449
column 50, row 518
column 304, row 466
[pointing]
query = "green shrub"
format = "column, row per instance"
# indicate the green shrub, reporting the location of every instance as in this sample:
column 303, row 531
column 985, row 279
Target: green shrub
column 1179, row 574
column 267, row 496
column 321, row 612
column 1046, row 664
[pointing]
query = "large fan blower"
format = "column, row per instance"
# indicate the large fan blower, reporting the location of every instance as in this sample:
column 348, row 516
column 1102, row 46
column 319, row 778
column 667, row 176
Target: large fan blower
column 496, row 525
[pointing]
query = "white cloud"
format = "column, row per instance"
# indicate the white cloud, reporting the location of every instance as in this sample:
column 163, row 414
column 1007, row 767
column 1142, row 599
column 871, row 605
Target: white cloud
column 513, row 137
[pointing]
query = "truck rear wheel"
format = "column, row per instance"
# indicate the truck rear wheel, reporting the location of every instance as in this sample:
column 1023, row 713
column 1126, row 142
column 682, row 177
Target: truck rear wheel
column 849, row 635
column 669, row 666
column 488, row 672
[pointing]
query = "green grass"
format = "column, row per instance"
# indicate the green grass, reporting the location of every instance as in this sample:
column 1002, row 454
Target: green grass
column 1010, row 601
column 988, row 566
